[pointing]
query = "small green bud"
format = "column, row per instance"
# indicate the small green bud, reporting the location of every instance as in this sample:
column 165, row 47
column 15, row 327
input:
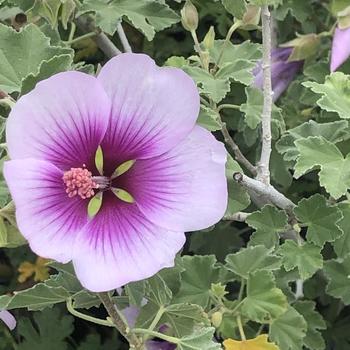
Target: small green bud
column 209, row 38
column 189, row 16
column 216, row 319
column 251, row 17
column 218, row 289
column 296, row 228
column 344, row 18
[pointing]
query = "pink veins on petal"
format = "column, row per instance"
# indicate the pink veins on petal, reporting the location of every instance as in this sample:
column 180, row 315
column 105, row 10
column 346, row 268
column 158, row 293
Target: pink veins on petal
column 125, row 147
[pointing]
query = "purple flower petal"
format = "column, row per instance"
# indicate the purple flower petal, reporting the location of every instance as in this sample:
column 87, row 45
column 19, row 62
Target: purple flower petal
column 46, row 217
column 131, row 313
column 62, row 120
column 153, row 108
column 119, row 245
column 184, row 189
column 8, row 319
column 158, row 345
column 340, row 48
column 282, row 71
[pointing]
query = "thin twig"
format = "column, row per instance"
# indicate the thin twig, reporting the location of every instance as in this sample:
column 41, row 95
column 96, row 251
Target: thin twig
column 101, row 39
column 265, row 190
column 119, row 323
column 299, row 289
column 263, row 166
column 237, row 152
column 123, row 39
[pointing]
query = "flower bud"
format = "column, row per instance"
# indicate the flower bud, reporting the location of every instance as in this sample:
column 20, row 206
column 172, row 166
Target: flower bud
column 304, row 46
column 251, row 17
column 189, row 16
column 344, row 18
column 216, row 319
column 209, row 38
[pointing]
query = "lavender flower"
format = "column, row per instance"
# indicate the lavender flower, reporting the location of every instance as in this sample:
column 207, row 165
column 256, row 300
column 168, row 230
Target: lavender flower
column 340, row 48
column 161, row 175
column 282, row 71
column 8, row 319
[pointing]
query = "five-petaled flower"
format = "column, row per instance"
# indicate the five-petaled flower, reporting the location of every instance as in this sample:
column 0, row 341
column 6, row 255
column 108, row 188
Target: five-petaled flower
column 109, row 172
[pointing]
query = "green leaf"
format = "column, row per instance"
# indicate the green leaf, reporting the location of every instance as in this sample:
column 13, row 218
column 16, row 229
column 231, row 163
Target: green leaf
column 335, row 94
column 215, row 88
column 36, row 298
column 342, row 244
column 268, row 223
column 146, row 15
column 320, row 219
column 253, row 108
column 157, row 291
column 47, row 68
column 136, row 292
column 196, row 279
column 97, row 342
column 317, row 152
column 22, row 53
column 266, row 2
column 236, row 8
column 85, row 300
column 306, row 257
column 182, row 318
column 48, row 9
column 65, row 278
column 67, row 11
column 314, row 320
column 289, row 330
column 338, row 273
column 10, row 237
column 247, row 51
column 252, row 259
column 201, row 339
column 264, row 301
column 299, row 9
column 333, row 132
column 48, row 330
column 238, row 197
column 208, row 119
column 221, row 240
column 239, row 70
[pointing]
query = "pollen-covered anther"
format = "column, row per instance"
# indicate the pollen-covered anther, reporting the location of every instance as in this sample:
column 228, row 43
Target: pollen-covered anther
column 79, row 182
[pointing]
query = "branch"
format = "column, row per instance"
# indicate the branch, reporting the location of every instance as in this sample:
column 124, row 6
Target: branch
column 240, row 216
column 119, row 323
column 264, row 190
column 123, row 38
column 237, row 152
column 263, row 166
column 101, row 39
